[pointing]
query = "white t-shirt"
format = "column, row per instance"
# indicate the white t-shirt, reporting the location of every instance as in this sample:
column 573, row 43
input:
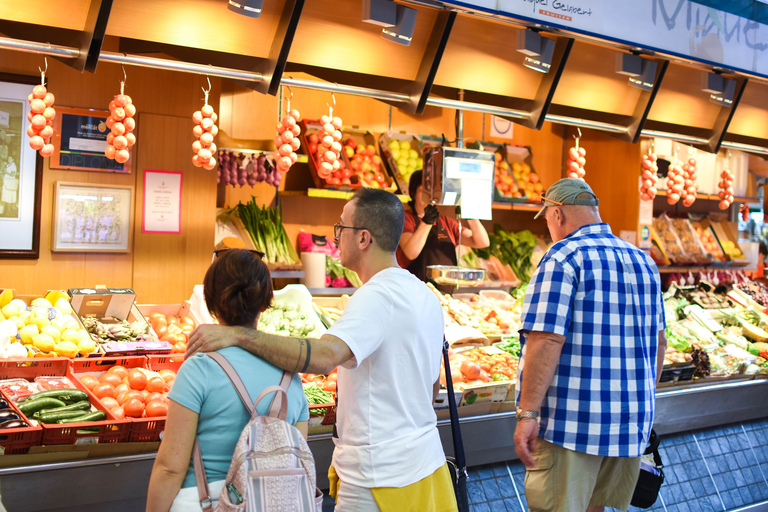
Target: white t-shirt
column 385, row 420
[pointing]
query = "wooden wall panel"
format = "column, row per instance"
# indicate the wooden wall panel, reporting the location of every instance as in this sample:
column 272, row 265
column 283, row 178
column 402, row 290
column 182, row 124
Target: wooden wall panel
column 751, row 117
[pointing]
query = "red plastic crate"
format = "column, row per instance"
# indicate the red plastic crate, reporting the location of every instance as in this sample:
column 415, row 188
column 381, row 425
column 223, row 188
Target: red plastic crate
column 151, row 429
column 159, row 362
column 328, row 418
column 19, row 440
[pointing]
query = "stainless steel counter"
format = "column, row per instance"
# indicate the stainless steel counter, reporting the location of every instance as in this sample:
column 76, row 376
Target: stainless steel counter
column 120, row 483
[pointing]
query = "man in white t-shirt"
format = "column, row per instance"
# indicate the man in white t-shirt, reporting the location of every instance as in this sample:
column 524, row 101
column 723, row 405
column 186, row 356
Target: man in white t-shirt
column 388, row 345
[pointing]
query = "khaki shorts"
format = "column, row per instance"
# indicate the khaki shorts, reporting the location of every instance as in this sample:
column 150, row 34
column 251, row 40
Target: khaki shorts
column 569, row 481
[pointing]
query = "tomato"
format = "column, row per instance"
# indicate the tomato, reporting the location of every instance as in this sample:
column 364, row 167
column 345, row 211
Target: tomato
column 119, row 370
column 157, row 409
column 161, row 329
column 138, row 395
column 133, row 408
column 89, row 381
column 109, row 402
column 154, row 397
column 110, row 378
column 104, row 389
column 179, row 348
column 330, row 386
column 122, row 388
column 471, row 370
column 308, row 377
column 156, row 385
column 137, row 379
column 188, row 320
column 173, row 320
column 120, row 397
column 174, row 337
column 118, row 412
column 154, row 317
column 167, row 375
column 331, row 377
column 144, row 395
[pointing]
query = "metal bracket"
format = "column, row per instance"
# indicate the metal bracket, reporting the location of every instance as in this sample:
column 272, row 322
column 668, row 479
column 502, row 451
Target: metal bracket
column 644, row 104
column 724, row 117
column 92, row 37
column 272, row 70
column 430, row 61
column 548, row 85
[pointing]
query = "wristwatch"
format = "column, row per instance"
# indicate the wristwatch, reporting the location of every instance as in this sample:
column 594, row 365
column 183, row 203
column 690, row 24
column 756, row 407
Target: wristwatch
column 534, row 415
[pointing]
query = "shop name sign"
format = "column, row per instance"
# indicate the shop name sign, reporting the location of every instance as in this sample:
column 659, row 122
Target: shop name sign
column 712, row 32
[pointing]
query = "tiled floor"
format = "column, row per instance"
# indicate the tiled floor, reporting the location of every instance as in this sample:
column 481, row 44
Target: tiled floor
column 707, row 470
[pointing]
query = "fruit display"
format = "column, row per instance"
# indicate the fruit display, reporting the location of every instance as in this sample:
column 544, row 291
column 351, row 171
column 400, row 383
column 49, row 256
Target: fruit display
column 519, row 158
column 175, row 329
column 726, row 190
column 41, row 116
column 690, row 242
column 205, row 129
column 365, row 164
column 480, row 366
column 486, row 318
column 649, row 177
column 406, row 157
column 119, row 331
column 576, row 162
column 121, row 122
column 60, row 405
column 710, row 243
column 669, row 241
column 732, row 250
column 755, row 290
column 287, row 141
column 42, row 329
column 505, row 182
column 132, row 392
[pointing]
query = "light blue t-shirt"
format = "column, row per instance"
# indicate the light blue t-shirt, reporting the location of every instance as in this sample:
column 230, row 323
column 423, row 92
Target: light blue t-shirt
column 202, row 387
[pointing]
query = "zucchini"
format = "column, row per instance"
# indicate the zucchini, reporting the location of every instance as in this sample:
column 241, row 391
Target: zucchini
column 68, row 396
column 93, row 416
column 84, row 405
column 29, row 408
column 54, row 417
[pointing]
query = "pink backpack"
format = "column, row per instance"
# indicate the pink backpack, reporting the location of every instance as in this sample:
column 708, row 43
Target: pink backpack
column 272, row 467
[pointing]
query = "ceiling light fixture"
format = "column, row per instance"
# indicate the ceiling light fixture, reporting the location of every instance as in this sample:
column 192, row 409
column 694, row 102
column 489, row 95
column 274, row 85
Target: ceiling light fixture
column 250, row 8
column 528, row 42
column 380, row 12
column 647, row 77
column 713, row 83
column 405, row 23
column 628, row 64
column 543, row 61
column 726, row 97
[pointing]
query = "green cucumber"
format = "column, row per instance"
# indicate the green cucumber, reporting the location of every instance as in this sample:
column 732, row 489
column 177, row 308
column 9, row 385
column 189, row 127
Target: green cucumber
column 56, row 416
column 31, row 407
column 68, row 396
column 84, row 405
column 93, row 416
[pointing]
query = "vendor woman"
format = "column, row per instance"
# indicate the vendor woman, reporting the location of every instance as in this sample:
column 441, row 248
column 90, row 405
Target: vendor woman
column 430, row 238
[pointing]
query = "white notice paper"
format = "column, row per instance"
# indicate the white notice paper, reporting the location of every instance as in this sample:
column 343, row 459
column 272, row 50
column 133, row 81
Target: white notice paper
column 162, row 202
column 476, row 199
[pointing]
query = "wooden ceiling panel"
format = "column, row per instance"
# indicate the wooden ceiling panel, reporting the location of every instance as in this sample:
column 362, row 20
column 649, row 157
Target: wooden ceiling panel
column 590, row 82
column 481, row 56
column 681, row 101
column 751, row 116
column 69, row 15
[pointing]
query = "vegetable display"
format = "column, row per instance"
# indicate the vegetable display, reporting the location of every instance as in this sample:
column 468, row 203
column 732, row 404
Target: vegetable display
column 576, row 162
column 265, row 226
column 121, row 331
column 286, row 319
column 121, row 122
column 205, row 130
column 480, row 366
column 649, row 177
column 133, row 393
column 681, row 182
column 287, row 142
column 174, row 329
column 329, row 145
column 68, row 405
column 41, row 116
column 726, row 189
column 513, row 249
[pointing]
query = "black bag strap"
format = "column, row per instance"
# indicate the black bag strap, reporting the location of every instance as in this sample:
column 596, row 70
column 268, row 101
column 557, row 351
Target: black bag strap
column 653, row 447
column 458, row 444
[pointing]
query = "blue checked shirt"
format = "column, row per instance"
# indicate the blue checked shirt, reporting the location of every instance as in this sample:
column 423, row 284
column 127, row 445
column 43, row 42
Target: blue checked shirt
column 604, row 296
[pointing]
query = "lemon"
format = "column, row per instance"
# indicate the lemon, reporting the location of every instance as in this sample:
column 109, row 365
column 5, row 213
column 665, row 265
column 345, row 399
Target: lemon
column 40, row 322
column 59, row 322
column 26, row 315
column 11, row 309
column 67, row 349
column 45, row 303
column 2, row 317
column 26, row 332
column 18, row 321
column 86, row 346
column 64, row 306
column 52, row 332
column 5, row 297
column 43, row 342
column 20, row 303
column 72, row 335
column 71, row 323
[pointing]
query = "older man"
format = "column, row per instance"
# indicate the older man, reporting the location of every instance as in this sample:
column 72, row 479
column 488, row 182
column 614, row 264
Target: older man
column 388, row 343
column 593, row 346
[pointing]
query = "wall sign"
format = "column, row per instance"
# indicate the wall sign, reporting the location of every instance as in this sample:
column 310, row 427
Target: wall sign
column 162, row 202
column 717, row 34
column 80, row 137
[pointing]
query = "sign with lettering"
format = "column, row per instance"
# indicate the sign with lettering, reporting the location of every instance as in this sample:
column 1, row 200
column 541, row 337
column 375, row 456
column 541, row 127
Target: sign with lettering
column 723, row 34
column 162, row 202
column 79, row 141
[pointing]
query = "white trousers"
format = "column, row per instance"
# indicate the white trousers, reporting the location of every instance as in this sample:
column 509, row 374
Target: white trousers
column 352, row 498
column 188, row 500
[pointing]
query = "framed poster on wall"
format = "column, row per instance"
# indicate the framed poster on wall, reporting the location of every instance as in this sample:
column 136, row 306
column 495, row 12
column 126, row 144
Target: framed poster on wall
column 92, row 218
column 162, row 202
column 79, row 140
column 21, row 172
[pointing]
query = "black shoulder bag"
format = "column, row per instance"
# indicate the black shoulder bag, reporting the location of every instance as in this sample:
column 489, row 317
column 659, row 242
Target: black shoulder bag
column 457, row 465
column 651, row 477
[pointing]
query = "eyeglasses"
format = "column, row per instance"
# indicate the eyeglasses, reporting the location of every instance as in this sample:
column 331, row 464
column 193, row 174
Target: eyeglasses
column 338, row 227
column 258, row 254
column 543, row 199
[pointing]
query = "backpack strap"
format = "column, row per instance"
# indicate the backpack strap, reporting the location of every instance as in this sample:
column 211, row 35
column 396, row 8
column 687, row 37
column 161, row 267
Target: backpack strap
column 237, row 382
column 201, row 479
column 278, row 409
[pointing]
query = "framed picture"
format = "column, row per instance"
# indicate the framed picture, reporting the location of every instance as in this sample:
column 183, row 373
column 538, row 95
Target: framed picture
column 91, row 218
column 21, row 172
column 79, row 141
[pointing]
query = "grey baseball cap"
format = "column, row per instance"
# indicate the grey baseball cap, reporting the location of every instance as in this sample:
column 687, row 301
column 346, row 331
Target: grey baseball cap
column 567, row 192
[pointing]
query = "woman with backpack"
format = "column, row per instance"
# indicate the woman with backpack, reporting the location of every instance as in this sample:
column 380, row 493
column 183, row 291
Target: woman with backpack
column 203, row 401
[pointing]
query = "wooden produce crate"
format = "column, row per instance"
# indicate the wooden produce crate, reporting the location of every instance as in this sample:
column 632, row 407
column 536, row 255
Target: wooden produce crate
column 364, row 160
column 392, row 160
column 504, row 174
column 308, row 128
column 520, row 159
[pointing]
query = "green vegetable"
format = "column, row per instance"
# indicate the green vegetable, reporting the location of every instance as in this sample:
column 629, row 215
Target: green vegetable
column 68, row 396
column 334, row 268
column 93, row 416
column 316, row 396
column 84, row 405
column 499, row 377
column 29, row 407
column 54, row 417
column 286, row 319
column 265, row 225
column 510, row 345
column 514, row 249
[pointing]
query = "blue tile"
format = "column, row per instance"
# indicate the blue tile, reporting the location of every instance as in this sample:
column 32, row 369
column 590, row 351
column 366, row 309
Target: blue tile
column 705, row 505
column 715, row 502
column 491, row 489
column 741, row 458
column 736, row 443
column 525, row 501
column 497, row 506
column 485, row 471
column 513, row 505
column 717, row 464
column 757, row 494
column 480, row 507
column 738, row 478
column 684, row 452
column 752, row 475
column 698, row 488
column 672, row 455
column 520, row 482
column 500, row 470
column 762, row 454
column 670, row 475
column 746, row 496
column 714, row 446
column 675, row 494
column 671, row 508
column 727, row 500
column 516, row 467
column 686, row 489
column 738, row 498
column 763, row 490
column 505, row 487
column 719, row 482
column 688, row 471
column 729, row 481
column 705, row 449
column 475, row 491
column 731, row 462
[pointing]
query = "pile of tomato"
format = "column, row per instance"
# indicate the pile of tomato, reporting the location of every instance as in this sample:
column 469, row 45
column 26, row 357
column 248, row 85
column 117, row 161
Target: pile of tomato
column 134, row 393
column 174, row 329
column 324, row 382
column 477, row 366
